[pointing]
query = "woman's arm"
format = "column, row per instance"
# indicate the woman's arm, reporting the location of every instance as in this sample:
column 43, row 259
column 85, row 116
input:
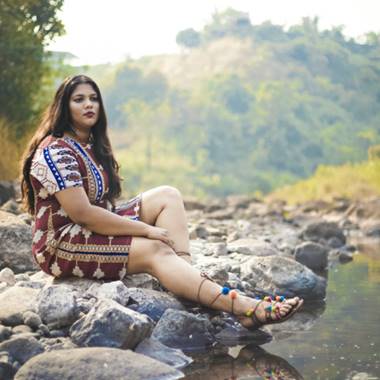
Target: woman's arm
column 76, row 204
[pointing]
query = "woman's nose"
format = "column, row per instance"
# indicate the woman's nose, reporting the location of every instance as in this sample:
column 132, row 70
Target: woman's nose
column 88, row 103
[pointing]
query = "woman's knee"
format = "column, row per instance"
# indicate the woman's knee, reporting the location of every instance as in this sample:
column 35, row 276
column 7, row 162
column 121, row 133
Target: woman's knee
column 170, row 193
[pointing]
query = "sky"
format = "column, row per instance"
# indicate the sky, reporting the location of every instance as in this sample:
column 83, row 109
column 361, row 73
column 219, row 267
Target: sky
column 108, row 31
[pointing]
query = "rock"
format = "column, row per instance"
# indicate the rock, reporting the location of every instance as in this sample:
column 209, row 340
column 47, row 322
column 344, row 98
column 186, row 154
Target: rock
column 141, row 280
column 21, row 329
column 7, row 191
column 22, row 277
column 239, row 335
column 283, row 276
column 372, row 228
column 318, row 231
column 5, row 333
column 313, row 255
column 193, row 204
column 218, row 249
column 7, row 371
column 32, row 320
column 108, row 324
column 30, row 284
column 198, row 232
column 14, row 302
column 251, row 247
column 156, row 350
column 21, row 349
column 180, row 329
column 15, row 244
column 7, row 276
column 345, row 256
column 152, row 302
column 334, row 242
column 96, row 364
column 11, row 206
column 223, row 214
column 53, row 344
column 114, row 290
column 57, row 306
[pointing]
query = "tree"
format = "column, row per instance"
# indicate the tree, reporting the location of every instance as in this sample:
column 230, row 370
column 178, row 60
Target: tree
column 189, row 38
column 25, row 28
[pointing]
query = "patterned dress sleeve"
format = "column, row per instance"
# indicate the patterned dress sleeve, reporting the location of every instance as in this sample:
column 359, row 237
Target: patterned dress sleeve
column 56, row 168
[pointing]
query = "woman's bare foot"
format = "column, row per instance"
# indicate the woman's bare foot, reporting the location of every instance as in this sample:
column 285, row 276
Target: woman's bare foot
column 280, row 311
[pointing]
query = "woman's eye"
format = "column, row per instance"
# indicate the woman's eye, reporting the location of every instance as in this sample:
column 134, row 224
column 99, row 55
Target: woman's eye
column 77, row 100
column 94, row 99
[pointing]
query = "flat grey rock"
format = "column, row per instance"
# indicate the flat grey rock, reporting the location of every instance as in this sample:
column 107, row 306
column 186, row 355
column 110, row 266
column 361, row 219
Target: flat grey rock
column 96, row 364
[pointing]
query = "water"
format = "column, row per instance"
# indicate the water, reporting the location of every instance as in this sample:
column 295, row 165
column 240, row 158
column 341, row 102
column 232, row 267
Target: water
column 336, row 340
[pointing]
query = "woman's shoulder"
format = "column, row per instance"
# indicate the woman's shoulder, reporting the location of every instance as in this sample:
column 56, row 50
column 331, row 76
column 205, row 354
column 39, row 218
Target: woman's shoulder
column 53, row 142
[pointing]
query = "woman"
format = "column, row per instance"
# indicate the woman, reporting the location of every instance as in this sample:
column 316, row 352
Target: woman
column 70, row 184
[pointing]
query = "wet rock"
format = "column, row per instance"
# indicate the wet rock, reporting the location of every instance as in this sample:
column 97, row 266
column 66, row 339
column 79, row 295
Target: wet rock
column 238, row 335
column 318, row 231
column 152, row 302
column 114, row 290
column 180, row 329
column 156, row 350
column 7, row 276
column 313, row 255
column 14, row 302
column 96, row 364
column 280, row 275
column 21, row 349
column 252, row 247
column 57, row 306
column 108, row 324
column 15, row 243
column 32, row 319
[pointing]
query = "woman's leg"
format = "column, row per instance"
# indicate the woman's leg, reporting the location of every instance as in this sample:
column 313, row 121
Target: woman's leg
column 163, row 207
column 178, row 276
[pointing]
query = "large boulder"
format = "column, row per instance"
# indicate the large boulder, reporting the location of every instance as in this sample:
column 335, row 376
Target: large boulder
column 313, row 255
column 109, row 324
column 180, row 329
column 96, row 364
column 284, row 276
column 15, row 243
column 14, row 302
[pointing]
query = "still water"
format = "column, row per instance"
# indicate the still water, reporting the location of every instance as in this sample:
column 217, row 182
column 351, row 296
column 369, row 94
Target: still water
column 339, row 339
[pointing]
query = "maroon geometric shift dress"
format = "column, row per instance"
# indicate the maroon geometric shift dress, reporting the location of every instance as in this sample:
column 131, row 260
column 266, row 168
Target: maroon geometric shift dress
column 61, row 247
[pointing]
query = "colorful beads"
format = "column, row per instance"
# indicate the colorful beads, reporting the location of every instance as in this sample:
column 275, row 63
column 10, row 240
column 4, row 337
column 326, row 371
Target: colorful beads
column 225, row 290
column 268, row 298
column 249, row 313
column 268, row 308
column 280, row 298
column 233, row 294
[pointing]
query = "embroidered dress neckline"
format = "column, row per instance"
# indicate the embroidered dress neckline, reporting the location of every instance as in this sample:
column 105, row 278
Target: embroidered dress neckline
column 83, row 145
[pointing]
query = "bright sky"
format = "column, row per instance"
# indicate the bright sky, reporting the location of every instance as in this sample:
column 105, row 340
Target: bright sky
column 99, row 31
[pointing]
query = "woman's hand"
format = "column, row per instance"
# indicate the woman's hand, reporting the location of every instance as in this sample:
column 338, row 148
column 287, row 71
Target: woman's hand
column 158, row 233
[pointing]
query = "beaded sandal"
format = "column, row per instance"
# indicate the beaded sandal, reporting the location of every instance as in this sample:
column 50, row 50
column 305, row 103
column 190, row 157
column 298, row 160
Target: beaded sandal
column 251, row 313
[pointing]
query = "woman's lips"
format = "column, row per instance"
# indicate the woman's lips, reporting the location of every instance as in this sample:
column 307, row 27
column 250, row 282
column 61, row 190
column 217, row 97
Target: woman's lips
column 89, row 114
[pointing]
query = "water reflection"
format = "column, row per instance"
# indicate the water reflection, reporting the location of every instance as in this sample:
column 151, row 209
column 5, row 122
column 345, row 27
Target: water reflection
column 251, row 363
column 338, row 339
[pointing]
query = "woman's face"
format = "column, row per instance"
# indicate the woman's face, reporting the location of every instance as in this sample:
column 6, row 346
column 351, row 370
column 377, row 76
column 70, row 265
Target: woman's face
column 84, row 107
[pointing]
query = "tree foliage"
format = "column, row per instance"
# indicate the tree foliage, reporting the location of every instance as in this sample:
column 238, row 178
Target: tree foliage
column 252, row 108
column 25, row 28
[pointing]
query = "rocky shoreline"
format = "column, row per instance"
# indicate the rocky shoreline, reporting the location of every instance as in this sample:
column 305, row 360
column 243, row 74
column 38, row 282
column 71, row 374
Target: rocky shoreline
column 134, row 329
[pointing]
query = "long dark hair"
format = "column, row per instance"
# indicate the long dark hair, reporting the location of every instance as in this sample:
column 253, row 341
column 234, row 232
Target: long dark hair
column 57, row 120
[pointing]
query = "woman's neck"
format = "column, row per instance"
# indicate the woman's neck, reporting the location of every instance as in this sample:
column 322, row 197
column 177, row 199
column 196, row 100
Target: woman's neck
column 82, row 137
